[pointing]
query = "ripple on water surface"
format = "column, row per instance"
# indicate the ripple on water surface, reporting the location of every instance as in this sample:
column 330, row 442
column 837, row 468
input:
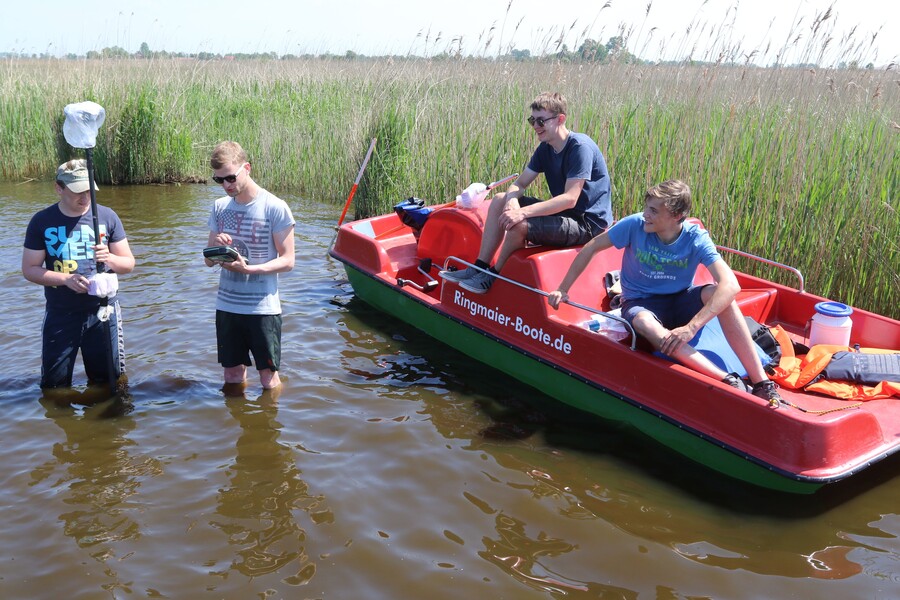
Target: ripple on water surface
column 388, row 467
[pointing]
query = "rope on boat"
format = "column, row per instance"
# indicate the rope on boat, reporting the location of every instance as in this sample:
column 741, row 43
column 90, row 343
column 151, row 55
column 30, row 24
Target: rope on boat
column 821, row 412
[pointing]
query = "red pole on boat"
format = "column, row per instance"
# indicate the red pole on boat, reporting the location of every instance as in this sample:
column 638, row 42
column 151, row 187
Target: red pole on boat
column 358, row 178
column 506, row 179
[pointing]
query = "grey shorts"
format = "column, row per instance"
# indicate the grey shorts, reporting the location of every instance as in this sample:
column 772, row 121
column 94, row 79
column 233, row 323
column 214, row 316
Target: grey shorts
column 564, row 229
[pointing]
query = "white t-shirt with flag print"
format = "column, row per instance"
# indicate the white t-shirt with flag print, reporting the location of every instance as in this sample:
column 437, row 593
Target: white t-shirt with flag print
column 251, row 227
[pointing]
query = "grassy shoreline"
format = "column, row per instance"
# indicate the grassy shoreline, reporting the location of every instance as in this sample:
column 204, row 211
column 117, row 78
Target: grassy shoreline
column 801, row 166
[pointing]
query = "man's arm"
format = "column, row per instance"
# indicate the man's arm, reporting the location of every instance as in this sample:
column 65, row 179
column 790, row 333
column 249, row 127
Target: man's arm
column 582, row 260
column 117, row 256
column 34, row 271
column 513, row 216
column 568, row 199
column 284, row 262
column 517, row 187
column 727, row 287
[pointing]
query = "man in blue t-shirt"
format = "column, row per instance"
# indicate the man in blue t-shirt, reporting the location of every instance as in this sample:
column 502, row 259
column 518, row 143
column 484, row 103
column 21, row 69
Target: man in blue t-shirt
column 578, row 210
column 659, row 299
column 61, row 253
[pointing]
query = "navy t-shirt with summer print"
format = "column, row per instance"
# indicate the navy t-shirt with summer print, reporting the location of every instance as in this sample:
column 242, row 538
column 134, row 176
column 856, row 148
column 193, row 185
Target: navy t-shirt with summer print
column 69, row 246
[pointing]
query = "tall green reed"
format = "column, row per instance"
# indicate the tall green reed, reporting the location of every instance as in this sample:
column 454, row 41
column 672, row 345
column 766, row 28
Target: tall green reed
column 798, row 165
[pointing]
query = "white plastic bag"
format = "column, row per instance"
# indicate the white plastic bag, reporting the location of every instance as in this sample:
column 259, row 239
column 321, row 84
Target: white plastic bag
column 605, row 326
column 472, row 196
column 103, row 285
column 83, row 120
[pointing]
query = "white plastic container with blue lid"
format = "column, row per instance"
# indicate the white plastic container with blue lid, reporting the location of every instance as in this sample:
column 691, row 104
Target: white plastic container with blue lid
column 831, row 324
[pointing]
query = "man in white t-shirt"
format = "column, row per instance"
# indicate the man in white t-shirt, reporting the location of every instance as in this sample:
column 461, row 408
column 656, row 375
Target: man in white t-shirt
column 260, row 227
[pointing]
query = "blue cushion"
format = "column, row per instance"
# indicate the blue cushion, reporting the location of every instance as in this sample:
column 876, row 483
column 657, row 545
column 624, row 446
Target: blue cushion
column 711, row 342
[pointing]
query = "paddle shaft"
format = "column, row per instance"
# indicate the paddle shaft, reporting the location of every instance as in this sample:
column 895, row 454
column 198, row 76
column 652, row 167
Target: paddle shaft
column 356, row 183
column 98, row 237
column 502, row 181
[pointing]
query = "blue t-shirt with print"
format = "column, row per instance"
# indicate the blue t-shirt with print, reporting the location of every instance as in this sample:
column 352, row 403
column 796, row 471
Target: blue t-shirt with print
column 651, row 267
column 69, row 245
column 580, row 158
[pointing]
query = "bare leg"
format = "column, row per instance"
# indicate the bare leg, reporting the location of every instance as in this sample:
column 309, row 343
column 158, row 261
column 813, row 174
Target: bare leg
column 269, row 379
column 493, row 234
column 236, row 374
column 738, row 335
column 646, row 325
column 515, row 239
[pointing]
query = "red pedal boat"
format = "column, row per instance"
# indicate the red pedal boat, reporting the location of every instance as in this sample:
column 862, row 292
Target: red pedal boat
column 798, row 447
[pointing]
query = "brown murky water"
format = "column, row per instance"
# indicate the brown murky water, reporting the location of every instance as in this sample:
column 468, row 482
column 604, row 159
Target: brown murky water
column 384, row 469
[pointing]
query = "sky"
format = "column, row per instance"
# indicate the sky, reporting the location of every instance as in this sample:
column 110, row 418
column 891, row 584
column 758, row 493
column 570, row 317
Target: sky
column 656, row 29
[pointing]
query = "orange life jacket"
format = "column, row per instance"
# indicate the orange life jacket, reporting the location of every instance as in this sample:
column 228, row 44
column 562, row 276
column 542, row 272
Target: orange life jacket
column 796, row 372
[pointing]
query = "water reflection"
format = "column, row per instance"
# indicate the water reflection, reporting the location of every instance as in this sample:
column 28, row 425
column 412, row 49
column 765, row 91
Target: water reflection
column 594, row 470
column 100, row 478
column 517, row 553
column 742, row 529
column 432, row 497
column 257, row 510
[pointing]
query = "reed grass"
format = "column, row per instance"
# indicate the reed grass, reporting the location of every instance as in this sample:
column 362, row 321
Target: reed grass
column 798, row 165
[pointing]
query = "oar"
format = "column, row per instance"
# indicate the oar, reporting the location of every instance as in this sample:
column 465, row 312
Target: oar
column 506, row 179
column 356, row 183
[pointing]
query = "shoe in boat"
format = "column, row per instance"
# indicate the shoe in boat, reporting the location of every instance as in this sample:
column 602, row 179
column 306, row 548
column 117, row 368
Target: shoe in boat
column 736, row 382
column 768, row 391
column 457, row 276
column 480, row 283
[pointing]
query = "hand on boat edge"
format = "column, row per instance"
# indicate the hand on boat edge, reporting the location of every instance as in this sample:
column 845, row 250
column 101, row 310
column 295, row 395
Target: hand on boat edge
column 555, row 297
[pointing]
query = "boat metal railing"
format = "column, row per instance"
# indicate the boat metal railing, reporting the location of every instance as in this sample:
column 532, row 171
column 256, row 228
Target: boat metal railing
column 768, row 262
column 547, row 294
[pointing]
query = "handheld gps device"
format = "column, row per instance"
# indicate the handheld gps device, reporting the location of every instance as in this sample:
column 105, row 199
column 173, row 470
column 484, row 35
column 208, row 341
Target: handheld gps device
column 220, row 254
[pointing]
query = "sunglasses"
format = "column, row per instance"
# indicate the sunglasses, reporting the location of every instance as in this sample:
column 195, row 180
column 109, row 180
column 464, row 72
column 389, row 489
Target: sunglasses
column 539, row 121
column 228, row 178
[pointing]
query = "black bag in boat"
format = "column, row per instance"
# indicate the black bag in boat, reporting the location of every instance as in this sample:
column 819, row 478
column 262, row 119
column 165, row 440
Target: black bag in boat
column 863, row 368
column 764, row 339
column 613, row 284
column 413, row 213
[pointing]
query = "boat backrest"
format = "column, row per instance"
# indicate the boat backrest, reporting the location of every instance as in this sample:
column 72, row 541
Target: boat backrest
column 452, row 232
column 543, row 269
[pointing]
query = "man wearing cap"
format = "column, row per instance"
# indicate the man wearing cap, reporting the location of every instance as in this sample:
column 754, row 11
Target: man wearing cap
column 61, row 253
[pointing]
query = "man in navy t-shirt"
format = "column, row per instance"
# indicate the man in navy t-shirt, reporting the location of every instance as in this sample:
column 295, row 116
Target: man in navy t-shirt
column 61, row 253
column 579, row 209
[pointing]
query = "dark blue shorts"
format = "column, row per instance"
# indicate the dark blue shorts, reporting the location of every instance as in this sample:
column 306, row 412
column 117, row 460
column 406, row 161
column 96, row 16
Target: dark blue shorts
column 564, row 229
column 671, row 310
column 64, row 333
column 239, row 336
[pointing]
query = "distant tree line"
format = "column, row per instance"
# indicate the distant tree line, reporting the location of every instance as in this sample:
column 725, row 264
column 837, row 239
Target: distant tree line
column 590, row 51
